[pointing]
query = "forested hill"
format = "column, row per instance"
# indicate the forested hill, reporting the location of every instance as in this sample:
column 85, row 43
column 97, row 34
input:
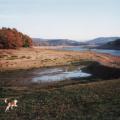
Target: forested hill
column 55, row 42
column 115, row 45
column 102, row 40
column 11, row 39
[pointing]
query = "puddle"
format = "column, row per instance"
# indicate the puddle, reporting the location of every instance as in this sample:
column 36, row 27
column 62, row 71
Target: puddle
column 57, row 74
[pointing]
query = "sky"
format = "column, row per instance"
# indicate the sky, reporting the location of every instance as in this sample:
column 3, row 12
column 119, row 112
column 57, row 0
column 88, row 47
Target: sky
column 66, row 19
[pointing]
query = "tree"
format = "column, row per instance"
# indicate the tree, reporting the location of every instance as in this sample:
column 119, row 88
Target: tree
column 11, row 39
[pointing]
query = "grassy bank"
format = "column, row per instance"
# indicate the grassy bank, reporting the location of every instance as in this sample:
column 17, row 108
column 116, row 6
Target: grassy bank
column 93, row 101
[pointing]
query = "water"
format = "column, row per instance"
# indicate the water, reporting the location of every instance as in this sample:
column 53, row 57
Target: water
column 57, row 74
column 77, row 48
column 112, row 52
column 81, row 48
column 41, row 75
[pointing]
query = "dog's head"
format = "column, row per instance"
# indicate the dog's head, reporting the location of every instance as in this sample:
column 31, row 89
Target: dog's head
column 15, row 101
column 6, row 101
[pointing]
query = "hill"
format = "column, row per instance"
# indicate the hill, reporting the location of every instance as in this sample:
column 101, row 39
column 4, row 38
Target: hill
column 111, row 45
column 11, row 39
column 101, row 40
column 55, row 42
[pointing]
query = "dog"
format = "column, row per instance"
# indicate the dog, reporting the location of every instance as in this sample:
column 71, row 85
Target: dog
column 10, row 104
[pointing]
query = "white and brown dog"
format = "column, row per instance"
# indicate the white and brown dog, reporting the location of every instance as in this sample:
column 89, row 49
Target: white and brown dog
column 10, row 104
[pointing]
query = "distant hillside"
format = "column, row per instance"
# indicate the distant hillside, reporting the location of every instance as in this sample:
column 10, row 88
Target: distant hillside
column 39, row 42
column 102, row 40
column 111, row 45
column 55, row 42
column 11, row 39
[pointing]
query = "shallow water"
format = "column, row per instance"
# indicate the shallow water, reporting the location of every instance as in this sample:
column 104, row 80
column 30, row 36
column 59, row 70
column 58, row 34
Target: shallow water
column 112, row 52
column 57, row 74
column 41, row 75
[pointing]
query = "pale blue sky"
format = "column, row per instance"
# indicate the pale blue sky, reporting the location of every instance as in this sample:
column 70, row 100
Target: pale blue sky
column 72, row 19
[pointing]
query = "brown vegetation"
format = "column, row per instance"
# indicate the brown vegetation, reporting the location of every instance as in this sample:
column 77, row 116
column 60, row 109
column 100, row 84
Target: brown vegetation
column 11, row 39
column 35, row 57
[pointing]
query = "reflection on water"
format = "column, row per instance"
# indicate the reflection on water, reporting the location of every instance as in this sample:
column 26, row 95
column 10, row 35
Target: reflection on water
column 41, row 75
column 57, row 74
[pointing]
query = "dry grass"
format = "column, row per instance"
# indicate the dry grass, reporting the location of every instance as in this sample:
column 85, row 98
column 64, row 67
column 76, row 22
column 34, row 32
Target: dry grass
column 44, row 57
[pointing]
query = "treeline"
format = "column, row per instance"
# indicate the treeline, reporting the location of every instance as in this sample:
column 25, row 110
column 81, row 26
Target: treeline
column 11, row 39
column 113, row 45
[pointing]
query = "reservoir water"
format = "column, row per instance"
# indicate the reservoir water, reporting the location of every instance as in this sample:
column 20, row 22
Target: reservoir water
column 82, row 48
